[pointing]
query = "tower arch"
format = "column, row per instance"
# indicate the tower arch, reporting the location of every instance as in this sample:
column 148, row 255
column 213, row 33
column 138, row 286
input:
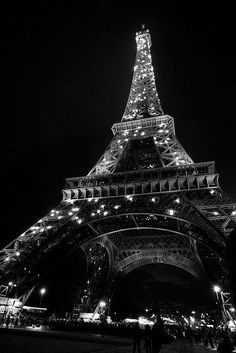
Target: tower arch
column 150, row 287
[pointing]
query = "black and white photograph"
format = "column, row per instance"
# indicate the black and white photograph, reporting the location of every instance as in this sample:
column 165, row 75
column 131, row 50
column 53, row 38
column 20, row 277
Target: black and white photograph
column 118, row 169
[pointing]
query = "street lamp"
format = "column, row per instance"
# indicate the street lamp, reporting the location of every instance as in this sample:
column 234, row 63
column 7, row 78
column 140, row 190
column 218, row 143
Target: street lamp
column 42, row 292
column 217, row 289
column 220, row 303
column 102, row 305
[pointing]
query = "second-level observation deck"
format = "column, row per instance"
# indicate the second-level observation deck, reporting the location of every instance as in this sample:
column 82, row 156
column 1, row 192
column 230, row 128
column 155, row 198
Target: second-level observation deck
column 206, row 168
column 179, row 178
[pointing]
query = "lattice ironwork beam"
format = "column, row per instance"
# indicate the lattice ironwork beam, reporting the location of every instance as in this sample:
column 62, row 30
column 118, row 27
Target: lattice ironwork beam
column 162, row 257
column 179, row 184
column 44, row 235
column 201, row 169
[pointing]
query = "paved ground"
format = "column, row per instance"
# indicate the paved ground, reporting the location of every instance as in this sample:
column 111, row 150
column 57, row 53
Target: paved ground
column 27, row 344
column 177, row 347
column 22, row 341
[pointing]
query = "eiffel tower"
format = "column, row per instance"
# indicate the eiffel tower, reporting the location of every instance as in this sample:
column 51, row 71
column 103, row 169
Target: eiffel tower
column 144, row 202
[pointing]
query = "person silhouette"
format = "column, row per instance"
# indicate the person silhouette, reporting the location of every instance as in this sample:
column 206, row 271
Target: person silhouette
column 147, row 338
column 225, row 346
column 136, row 338
column 157, row 336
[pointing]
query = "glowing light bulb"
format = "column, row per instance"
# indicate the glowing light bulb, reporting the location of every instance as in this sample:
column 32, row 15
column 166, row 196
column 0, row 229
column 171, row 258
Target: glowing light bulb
column 217, row 289
column 129, row 197
column 171, row 212
column 42, row 291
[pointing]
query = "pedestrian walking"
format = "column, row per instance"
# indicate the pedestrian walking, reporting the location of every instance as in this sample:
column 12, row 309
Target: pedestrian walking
column 147, row 339
column 16, row 321
column 205, row 337
column 234, row 339
column 136, row 338
column 8, row 319
column 210, row 337
column 157, row 336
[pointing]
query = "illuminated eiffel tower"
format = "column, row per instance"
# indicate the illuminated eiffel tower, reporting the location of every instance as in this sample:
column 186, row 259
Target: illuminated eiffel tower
column 144, row 202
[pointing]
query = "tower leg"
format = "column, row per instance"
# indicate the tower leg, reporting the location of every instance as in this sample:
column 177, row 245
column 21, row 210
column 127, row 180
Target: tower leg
column 92, row 299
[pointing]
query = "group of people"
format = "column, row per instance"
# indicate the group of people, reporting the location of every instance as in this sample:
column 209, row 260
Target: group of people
column 153, row 338
column 225, row 346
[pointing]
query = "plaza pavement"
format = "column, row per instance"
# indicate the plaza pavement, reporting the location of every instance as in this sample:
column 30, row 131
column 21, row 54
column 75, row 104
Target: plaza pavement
column 44, row 341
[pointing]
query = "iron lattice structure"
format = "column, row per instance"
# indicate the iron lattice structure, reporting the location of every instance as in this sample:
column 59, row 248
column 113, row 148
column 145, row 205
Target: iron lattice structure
column 145, row 201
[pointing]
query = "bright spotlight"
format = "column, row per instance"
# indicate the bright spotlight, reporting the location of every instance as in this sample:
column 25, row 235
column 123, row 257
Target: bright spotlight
column 42, row 291
column 217, row 289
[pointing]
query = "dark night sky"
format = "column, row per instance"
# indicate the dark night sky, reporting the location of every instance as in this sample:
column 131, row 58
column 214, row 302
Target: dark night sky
column 66, row 74
column 166, row 285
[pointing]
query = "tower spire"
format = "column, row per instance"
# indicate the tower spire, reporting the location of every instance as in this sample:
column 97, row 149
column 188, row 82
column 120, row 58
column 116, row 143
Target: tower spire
column 143, row 99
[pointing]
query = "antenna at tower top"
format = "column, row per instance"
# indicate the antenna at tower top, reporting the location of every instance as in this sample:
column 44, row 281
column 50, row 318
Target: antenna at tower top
column 143, row 26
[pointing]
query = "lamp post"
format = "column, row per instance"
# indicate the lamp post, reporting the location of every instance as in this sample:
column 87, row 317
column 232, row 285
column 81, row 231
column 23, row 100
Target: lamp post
column 102, row 306
column 221, row 303
column 102, row 309
column 217, row 290
column 42, row 292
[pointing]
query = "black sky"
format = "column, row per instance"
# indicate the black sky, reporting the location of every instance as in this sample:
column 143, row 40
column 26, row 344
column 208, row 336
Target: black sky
column 66, row 74
column 166, row 286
